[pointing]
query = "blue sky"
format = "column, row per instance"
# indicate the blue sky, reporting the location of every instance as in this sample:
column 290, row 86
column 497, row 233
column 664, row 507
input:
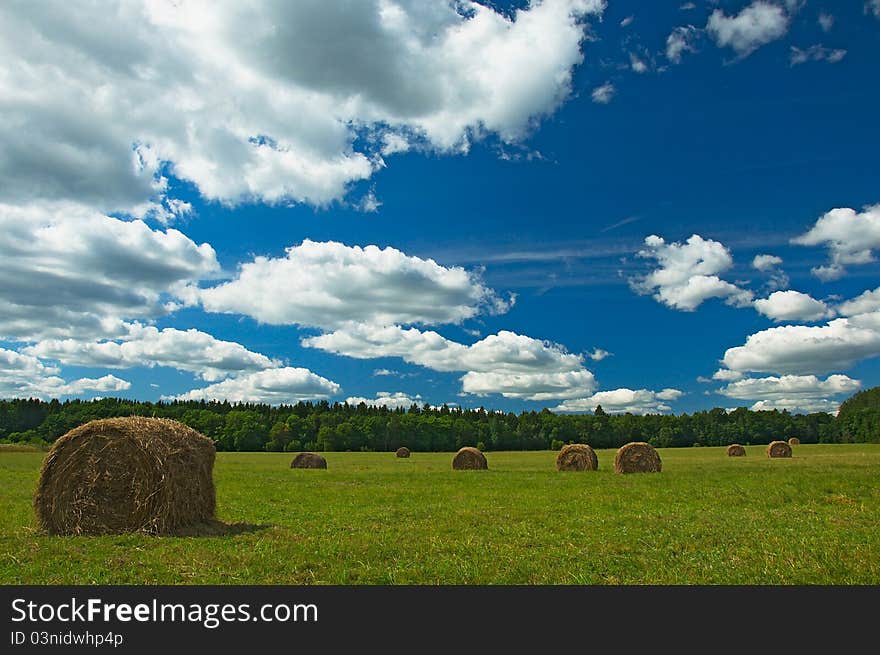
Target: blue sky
column 515, row 206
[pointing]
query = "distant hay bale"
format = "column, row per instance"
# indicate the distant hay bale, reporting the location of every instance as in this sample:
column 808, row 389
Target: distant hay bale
column 403, row 452
column 308, row 461
column 794, row 441
column 735, row 450
column 778, row 449
column 131, row 474
column 637, row 457
column 577, row 457
column 469, row 458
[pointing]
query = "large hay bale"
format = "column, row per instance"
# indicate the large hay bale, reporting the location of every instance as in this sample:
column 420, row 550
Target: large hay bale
column 132, row 474
column 469, row 458
column 735, row 450
column 403, row 452
column 778, row 449
column 637, row 457
column 794, row 441
column 308, row 461
column 577, row 457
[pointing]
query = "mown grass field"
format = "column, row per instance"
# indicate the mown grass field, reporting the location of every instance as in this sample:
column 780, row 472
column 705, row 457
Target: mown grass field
column 373, row 519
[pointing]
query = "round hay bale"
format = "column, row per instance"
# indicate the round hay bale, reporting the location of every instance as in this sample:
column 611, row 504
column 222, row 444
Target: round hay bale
column 637, row 457
column 577, row 457
column 735, row 450
column 794, row 441
column 403, row 452
column 469, row 458
column 131, row 474
column 308, row 461
column 778, row 449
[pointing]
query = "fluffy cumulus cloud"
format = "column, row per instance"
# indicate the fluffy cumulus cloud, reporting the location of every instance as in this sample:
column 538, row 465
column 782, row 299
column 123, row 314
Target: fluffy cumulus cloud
column 68, row 271
column 25, row 376
column 262, row 101
column 185, row 350
column 756, row 25
column 803, row 349
column 849, row 235
column 680, row 40
column 793, row 392
column 511, row 364
column 792, row 306
column 603, row 94
column 766, row 263
column 328, row 284
column 865, row 303
column 397, row 400
column 688, row 273
column 816, row 52
column 619, row 401
column 770, row 264
column 274, row 386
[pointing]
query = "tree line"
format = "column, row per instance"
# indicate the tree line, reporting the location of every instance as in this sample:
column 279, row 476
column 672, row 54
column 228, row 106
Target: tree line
column 324, row 426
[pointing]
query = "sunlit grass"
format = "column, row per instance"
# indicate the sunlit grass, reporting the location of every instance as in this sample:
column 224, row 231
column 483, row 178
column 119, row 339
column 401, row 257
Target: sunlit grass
column 373, row 518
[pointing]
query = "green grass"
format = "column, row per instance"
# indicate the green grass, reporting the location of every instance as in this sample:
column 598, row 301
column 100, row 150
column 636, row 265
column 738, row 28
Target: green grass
column 371, row 518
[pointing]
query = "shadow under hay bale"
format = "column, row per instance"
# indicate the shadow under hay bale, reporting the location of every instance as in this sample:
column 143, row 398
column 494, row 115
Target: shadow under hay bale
column 308, row 461
column 577, row 457
column 131, row 474
column 469, row 458
column 778, row 449
column 794, row 441
column 215, row 528
column 735, row 450
column 637, row 457
column 403, row 452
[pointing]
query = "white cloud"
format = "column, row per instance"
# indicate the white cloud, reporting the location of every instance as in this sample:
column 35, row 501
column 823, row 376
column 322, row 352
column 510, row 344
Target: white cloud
column 604, row 93
column 186, row 350
column 619, row 401
column 766, row 263
column 826, row 21
column 529, row 386
column 850, row 237
column 726, row 375
column 598, row 354
column 328, row 284
column 873, row 6
column 755, row 26
column 816, row 52
column 797, row 405
column 679, row 41
column 384, row 371
column 397, row 400
column 687, row 275
column 802, row 349
column 867, row 302
column 274, row 386
column 369, row 203
column 626, row 22
column 687, row 6
column 777, row 279
column 66, row 271
column 637, row 64
column 513, row 365
column 792, row 306
column 792, row 392
column 25, row 376
column 262, row 101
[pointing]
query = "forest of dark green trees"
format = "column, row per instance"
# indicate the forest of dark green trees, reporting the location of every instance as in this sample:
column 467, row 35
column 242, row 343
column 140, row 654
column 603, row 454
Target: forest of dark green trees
column 335, row 427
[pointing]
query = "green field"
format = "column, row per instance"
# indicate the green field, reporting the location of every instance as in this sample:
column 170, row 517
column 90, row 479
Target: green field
column 373, row 519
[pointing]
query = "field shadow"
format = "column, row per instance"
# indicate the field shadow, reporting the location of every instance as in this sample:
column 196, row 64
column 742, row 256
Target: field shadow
column 217, row 528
